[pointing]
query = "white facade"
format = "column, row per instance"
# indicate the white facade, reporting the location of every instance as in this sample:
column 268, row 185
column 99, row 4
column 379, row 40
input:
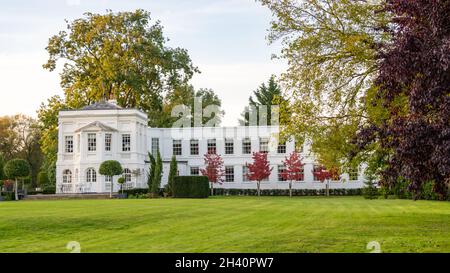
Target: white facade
column 103, row 131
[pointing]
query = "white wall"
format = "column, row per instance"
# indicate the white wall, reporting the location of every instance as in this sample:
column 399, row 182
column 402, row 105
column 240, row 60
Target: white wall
column 134, row 122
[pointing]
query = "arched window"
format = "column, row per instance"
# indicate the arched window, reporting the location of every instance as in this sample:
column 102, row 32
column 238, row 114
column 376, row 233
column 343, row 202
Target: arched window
column 67, row 176
column 127, row 175
column 91, row 175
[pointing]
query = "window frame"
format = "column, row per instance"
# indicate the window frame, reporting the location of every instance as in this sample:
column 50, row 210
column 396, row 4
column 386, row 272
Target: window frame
column 194, row 168
column 302, row 172
column 126, row 147
column 177, row 150
column 228, row 175
column 280, row 169
column 211, row 146
column 91, row 175
column 92, row 142
column 155, row 145
column 263, row 144
column 229, row 146
column 352, row 172
column 108, row 142
column 194, row 145
column 67, row 176
column 246, row 144
column 68, row 144
column 281, row 148
column 127, row 175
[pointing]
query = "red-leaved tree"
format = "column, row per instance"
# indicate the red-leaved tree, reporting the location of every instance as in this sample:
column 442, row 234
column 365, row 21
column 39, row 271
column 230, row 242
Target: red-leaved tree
column 214, row 169
column 413, row 86
column 323, row 175
column 259, row 169
column 294, row 169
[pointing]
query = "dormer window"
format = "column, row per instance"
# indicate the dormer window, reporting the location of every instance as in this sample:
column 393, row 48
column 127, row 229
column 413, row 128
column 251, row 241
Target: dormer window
column 126, row 143
column 92, row 142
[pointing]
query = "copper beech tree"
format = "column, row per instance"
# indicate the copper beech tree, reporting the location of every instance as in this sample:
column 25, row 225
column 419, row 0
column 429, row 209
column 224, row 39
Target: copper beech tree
column 323, row 175
column 259, row 169
column 214, row 169
column 294, row 169
column 413, row 90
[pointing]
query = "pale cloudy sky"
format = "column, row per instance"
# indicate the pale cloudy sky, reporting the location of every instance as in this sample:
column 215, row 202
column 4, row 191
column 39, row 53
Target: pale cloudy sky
column 225, row 39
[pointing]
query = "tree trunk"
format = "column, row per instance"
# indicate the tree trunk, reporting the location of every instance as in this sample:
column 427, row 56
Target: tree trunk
column 257, row 184
column 15, row 191
column 111, row 188
column 290, row 188
column 212, row 189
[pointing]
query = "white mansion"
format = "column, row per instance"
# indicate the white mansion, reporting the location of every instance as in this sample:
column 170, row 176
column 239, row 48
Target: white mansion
column 105, row 131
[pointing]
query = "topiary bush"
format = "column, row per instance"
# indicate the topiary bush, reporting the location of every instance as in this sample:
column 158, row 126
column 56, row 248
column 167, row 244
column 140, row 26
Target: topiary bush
column 190, row 187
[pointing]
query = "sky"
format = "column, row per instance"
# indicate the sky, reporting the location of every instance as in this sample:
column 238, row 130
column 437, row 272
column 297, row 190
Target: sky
column 226, row 40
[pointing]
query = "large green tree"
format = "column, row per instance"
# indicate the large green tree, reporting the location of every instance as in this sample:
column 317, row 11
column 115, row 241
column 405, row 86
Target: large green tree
column 118, row 55
column 114, row 55
column 330, row 47
column 48, row 121
column 20, row 138
column 2, row 164
column 266, row 95
column 9, row 139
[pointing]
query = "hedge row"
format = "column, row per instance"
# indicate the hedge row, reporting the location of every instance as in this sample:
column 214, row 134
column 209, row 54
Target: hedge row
column 140, row 193
column 7, row 196
column 201, row 189
column 282, row 192
column 190, row 187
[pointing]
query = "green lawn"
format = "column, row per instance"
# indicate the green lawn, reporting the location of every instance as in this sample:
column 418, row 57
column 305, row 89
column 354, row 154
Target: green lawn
column 226, row 224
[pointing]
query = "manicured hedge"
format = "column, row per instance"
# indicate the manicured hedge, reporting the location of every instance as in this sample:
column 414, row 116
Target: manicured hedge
column 135, row 191
column 282, row 192
column 191, row 187
column 140, row 193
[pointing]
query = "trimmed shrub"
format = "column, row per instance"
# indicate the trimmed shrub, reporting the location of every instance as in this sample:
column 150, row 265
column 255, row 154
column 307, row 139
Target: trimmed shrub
column 42, row 179
column 190, row 187
column 133, row 193
column 138, row 196
column 172, row 173
column 6, row 196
